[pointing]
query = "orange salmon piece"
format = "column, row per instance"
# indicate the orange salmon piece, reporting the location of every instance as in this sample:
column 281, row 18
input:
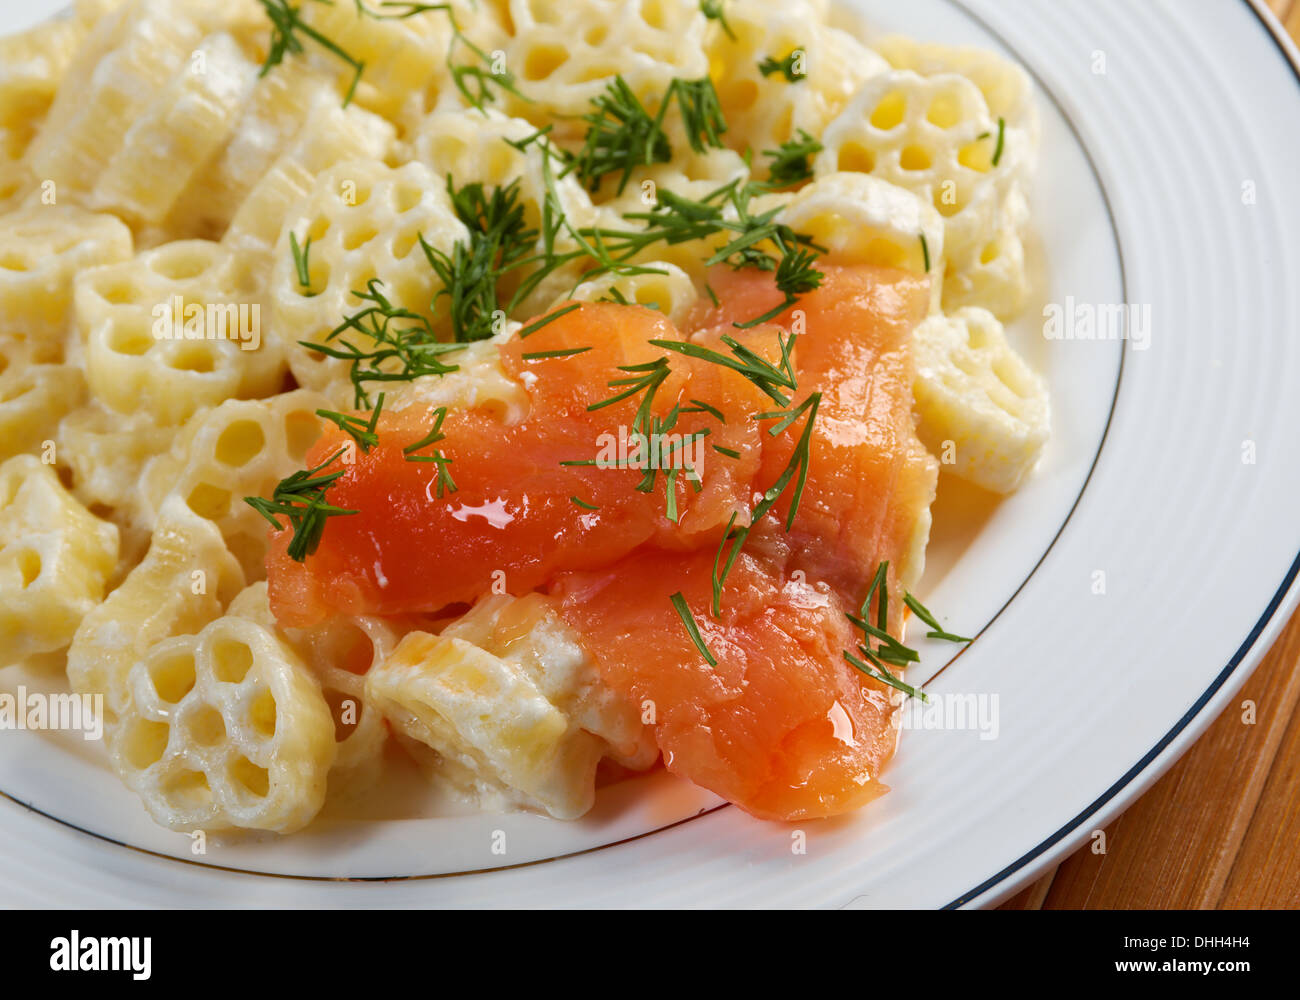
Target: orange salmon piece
column 409, row 550
column 870, row 480
column 782, row 726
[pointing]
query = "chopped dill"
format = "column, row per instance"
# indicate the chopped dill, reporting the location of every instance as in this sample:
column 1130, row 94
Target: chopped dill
column 692, row 628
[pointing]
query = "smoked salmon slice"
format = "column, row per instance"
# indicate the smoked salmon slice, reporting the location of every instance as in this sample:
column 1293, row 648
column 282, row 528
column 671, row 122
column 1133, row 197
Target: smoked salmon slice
column 782, row 725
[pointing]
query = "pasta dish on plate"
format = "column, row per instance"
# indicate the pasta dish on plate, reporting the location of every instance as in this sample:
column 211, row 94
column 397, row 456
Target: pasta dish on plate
column 535, row 391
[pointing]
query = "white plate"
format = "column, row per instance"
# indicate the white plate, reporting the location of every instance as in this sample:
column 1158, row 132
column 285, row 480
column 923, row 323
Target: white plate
column 1140, row 200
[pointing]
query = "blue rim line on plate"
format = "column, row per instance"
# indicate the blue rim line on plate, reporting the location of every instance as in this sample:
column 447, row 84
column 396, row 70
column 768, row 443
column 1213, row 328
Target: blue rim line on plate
column 1238, row 657
column 1119, row 375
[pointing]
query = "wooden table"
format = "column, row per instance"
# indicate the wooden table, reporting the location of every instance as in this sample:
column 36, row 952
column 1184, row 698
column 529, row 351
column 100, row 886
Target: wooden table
column 1221, row 829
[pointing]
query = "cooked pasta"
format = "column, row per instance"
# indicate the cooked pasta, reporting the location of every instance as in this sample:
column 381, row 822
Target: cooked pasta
column 247, row 262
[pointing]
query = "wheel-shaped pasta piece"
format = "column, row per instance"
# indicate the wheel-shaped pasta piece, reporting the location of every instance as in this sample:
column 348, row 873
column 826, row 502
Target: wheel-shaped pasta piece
column 473, row 147
column 124, row 66
column 339, row 653
column 365, row 221
column 1007, row 89
column 185, row 125
column 185, row 581
column 496, row 734
column 55, row 558
column 565, row 54
column 401, row 55
column 671, row 290
column 268, row 124
column 996, row 278
column 241, row 448
column 691, row 175
column 936, row 137
column 329, row 135
column 175, row 329
column 42, row 250
column 479, row 382
column 529, row 631
column 225, row 729
column 978, row 401
column 860, row 219
column 765, row 110
column 15, row 179
column 32, row 64
column 32, row 401
column 107, row 455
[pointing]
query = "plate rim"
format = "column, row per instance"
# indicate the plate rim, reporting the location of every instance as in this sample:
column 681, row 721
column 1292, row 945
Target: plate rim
column 1133, row 782
column 1193, row 723
column 1073, row 505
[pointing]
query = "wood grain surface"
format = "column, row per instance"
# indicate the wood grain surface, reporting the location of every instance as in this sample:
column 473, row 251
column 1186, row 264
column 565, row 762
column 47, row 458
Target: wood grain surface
column 1221, row 829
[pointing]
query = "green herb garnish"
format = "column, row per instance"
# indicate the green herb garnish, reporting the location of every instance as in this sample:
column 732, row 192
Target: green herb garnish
column 791, row 67
column 300, row 498
column 714, row 11
column 401, row 344
column 692, row 629
column 880, row 672
column 286, row 27
column 550, row 317
column 792, row 161
column 445, row 482
column 361, row 431
column 937, row 631
column 301, row 263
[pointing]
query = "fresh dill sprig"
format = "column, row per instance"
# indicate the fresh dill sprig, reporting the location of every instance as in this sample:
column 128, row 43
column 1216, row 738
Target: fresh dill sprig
column 302, row 264
column 300, row 499
column 701, row 112
column 287, row 26
column 644, row 380
column 888, row 649
column 796, row 471
column 563, row 353
column 445, row 483
column 550, row 317
column 621, row 136
column 1002, row 135
column 925, row 251
column 797, row 468
column 715, row 10
column 361, row 431
column 699, row 406
column 769, row 378
column 676, row 219
column 877, row 670
column 401, row 344
column 499, row 241
column 692, row 628
column 791, row 67
column 475, row 82
column 792, row 161
column 937, row 631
